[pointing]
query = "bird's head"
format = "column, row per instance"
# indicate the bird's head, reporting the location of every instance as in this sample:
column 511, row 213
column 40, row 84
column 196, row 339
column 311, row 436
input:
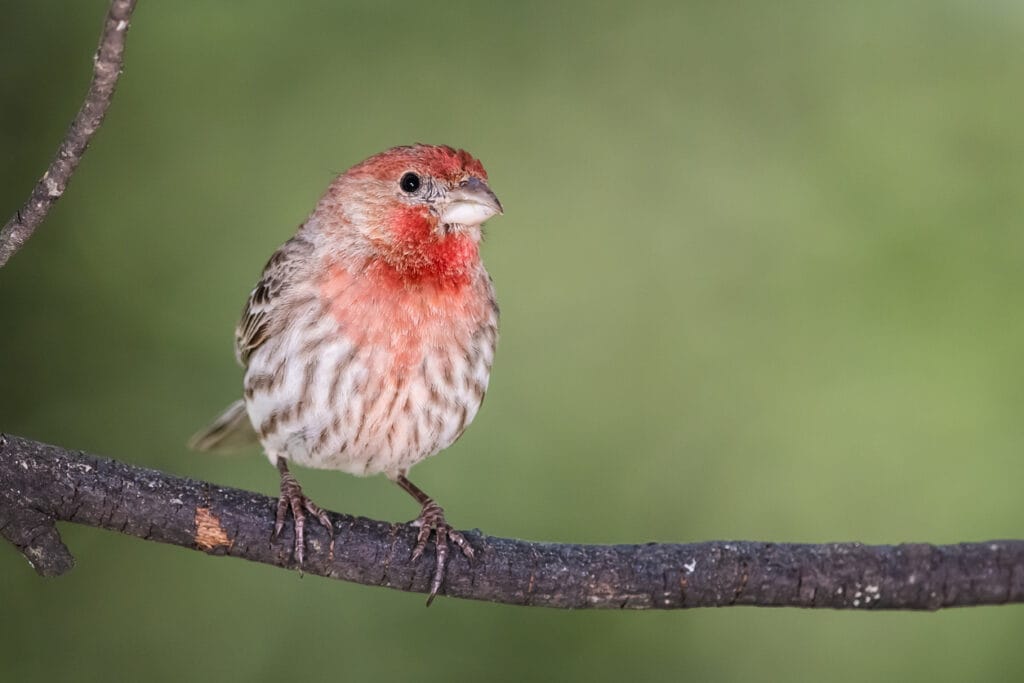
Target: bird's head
column 417, row 208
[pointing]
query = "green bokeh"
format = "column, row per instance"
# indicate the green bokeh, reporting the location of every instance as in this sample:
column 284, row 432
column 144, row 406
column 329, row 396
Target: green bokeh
column 760, row 274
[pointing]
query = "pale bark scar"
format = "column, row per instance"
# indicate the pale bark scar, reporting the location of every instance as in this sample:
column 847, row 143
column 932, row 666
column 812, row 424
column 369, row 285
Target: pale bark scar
column 209, row 532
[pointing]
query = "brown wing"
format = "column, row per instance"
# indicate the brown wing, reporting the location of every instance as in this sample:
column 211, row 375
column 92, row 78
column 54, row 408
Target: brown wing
column 255, row 325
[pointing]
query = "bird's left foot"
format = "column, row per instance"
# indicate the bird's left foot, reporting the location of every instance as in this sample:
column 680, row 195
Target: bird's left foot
column 432, row 518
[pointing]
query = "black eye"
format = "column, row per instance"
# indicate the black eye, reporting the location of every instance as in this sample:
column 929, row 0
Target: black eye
column 410, row 182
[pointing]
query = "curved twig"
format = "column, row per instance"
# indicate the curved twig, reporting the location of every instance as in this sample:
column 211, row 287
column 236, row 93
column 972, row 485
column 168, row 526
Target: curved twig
column 42, row 484
column 107, row 66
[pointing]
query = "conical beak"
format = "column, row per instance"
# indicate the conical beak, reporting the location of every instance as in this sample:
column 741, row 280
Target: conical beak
column 471, row 203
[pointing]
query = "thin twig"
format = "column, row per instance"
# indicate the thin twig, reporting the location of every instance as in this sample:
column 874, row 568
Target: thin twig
column 107, row 65
column 41, row 484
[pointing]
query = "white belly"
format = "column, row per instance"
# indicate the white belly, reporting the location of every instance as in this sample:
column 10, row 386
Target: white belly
column 363, row 410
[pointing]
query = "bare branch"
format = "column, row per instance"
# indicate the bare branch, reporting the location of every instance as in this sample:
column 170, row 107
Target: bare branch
column 107, row 66
column 42, row 484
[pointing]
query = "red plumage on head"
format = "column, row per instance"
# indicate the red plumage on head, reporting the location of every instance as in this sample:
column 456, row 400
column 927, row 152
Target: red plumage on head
column 366, row 218
column 441, row 161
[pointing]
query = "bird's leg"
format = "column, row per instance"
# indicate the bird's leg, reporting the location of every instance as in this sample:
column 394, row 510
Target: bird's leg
column 292, row 498
column 432, row 517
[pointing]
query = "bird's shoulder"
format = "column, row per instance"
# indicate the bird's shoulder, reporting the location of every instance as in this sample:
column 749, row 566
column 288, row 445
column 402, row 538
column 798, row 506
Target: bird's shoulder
column 279, row 276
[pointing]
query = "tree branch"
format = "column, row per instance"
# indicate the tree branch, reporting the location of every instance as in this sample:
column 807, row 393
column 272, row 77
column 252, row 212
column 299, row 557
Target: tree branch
column 41, row 484
column 107, row 66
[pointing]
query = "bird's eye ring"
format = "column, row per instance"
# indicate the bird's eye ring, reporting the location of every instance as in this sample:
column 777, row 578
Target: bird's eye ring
column 410, row 182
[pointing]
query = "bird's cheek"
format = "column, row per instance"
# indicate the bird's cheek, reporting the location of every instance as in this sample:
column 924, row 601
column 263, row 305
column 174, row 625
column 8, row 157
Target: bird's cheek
column 411, row 223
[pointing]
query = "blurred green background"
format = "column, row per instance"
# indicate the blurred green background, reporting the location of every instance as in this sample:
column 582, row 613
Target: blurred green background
column 760, row 274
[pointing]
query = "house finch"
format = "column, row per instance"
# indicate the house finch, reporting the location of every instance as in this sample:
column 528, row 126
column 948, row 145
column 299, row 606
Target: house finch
column 368, row 341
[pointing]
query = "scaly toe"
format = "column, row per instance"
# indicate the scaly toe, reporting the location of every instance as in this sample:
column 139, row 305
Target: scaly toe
column 432, row 519
column 460, row 540
column 300, row 530
column 318, row 512
column 292, row 499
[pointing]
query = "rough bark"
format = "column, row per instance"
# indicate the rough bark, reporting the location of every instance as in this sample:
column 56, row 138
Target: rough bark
column 41, row 484
column 107, row 65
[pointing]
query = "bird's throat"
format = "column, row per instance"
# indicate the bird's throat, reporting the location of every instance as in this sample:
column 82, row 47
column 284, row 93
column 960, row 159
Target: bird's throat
column 421, row 253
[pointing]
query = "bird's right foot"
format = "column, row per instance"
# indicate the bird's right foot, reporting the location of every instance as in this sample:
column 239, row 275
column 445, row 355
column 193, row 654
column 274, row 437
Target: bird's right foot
column 293, row 499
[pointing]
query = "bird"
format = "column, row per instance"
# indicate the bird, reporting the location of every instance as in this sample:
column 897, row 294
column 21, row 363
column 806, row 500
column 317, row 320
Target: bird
column 367, row 342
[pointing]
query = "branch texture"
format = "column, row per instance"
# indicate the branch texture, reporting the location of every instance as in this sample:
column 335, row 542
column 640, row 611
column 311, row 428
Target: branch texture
column 107, row 65
column 41, row 484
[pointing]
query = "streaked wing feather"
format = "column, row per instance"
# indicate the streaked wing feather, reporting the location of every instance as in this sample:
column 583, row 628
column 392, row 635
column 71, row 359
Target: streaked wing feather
column 255, row 326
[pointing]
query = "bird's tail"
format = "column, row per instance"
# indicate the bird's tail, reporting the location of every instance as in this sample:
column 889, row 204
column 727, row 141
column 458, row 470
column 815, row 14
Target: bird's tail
column 231, row 431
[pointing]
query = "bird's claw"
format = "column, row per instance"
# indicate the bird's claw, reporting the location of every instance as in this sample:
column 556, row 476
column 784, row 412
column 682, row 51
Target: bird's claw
column 432, row 519
column 293, row 499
